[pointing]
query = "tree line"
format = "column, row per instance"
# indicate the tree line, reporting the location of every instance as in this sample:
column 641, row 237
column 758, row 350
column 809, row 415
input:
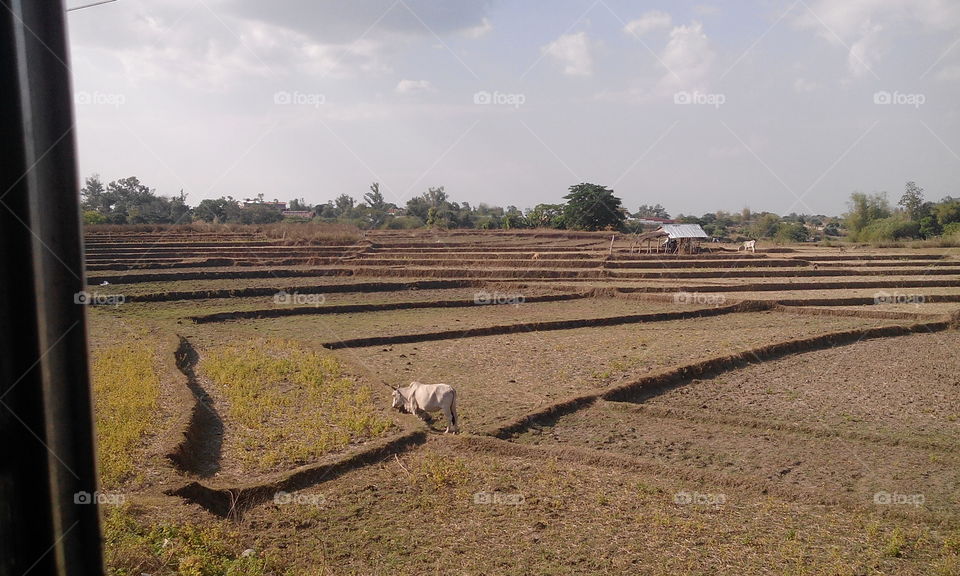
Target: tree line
column 586, row 206
column 871, row 218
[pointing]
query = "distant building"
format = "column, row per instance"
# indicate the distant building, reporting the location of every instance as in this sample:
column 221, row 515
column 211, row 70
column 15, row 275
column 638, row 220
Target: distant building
column 651, row 221
column 253, row 203
column 307, row 214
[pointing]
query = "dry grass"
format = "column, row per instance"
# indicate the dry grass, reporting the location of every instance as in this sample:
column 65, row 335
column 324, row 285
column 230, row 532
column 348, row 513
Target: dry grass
column 284, row 405
column 298, row 233
column 126, row 390
column 290, row 233
column 289, row 405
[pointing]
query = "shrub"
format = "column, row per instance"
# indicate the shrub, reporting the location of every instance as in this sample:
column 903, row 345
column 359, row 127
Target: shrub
column 887, row 229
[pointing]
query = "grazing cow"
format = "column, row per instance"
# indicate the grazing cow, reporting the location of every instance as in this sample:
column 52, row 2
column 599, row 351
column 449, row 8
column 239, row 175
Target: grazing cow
column 750, row 245
column 421, row 399
column 536, row 256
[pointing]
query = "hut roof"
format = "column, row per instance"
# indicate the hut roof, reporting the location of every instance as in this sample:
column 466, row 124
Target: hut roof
column 676, row 231
column 651, row 235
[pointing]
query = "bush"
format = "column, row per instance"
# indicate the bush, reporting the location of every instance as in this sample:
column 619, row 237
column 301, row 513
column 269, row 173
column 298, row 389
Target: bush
column 791, row 232
column 404, row 223
column 952, row 230
column 887, row 229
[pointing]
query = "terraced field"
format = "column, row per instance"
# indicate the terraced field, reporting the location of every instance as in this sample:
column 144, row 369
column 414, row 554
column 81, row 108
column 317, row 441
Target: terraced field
column 791, row 411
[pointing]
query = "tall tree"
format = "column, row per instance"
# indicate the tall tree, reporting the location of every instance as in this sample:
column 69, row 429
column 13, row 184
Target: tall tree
column 912, row 200
column 436, row 197
column 593, row 207
column 92, row 195
column 374, row 198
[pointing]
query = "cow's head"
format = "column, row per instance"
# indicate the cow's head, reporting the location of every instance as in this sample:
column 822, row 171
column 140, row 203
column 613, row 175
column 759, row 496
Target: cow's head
column 399, row 402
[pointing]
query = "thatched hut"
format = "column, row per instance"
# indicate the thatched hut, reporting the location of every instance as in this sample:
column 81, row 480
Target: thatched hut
column 674, row 238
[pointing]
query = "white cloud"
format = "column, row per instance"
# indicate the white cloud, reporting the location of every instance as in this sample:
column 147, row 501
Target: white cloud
column 414, row 87
column 866, row 52
column 478, row 31
column 572, row 51
column 866, row 28
column 649, row 21
column 687, row 57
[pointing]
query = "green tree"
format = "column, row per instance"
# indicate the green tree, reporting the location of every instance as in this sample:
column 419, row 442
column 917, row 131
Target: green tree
column 791, row 232
column 344, row 204
column 947, row 212
column 259, row 215
column 180, row 211
column 657, row 211
column 765, row 225
column 93, row 217
column 864, row 209
column 912, row 200
column 929, row 227
column 92, row 195
column 546, row 216
column 593, row 207
column 435, row 197
column 374, row 198
column 212, row 210
column 418, row 207
column 513, row 218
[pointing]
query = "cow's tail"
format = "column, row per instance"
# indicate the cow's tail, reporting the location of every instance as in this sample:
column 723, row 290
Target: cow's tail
column 454, row 421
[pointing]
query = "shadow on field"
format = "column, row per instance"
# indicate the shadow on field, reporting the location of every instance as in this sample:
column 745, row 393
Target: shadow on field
column 200, row 451
column 233, row 502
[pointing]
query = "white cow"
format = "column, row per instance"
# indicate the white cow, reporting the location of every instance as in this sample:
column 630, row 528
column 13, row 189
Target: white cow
column 421, row 399
column 750, row 245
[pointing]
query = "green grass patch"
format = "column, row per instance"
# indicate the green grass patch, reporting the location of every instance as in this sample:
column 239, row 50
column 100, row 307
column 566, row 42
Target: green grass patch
column 133, row 548
column 126, row 389
column 289, row 404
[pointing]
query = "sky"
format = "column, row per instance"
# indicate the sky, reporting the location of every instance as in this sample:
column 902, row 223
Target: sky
column 781, row 106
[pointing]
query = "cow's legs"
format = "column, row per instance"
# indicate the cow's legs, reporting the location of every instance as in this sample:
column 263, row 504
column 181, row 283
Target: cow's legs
column 451, row 415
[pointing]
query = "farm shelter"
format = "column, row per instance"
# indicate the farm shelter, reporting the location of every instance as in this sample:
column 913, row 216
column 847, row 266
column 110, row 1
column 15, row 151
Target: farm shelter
column 675, row 238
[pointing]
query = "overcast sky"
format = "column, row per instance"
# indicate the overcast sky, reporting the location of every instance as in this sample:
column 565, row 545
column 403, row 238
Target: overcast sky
column 786, row 106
